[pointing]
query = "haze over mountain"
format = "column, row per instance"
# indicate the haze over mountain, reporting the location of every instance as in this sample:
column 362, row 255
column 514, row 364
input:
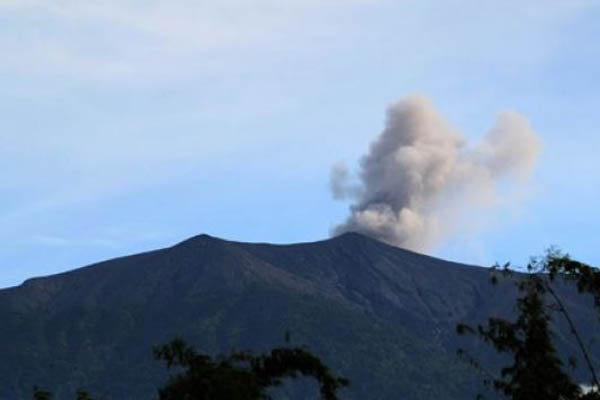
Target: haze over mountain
column 382, row 316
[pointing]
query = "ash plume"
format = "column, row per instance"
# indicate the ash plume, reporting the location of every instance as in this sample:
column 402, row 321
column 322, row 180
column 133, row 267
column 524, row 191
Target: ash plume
column 420, row 182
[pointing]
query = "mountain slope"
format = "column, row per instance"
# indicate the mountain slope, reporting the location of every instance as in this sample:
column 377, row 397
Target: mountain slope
column 382, row 316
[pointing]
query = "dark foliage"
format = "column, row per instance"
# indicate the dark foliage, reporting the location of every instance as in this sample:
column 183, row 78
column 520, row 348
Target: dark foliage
column 242, row 375
column 536, row 372
column 82, row 395
column 40, row 394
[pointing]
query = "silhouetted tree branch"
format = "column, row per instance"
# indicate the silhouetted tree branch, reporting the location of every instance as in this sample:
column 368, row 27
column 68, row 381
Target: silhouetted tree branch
column 536, row 372
column 242, row 375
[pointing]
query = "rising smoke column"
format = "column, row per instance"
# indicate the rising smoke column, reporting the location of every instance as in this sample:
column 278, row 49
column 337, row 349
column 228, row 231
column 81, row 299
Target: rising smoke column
column 419, row 180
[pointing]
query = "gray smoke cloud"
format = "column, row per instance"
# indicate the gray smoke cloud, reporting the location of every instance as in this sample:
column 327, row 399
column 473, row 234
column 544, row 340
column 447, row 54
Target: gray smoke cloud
column 420, row 182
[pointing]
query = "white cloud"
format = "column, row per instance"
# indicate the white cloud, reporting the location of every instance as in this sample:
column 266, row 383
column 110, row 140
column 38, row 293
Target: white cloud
column 132, row 41
column 123, row 39
column 51, row 241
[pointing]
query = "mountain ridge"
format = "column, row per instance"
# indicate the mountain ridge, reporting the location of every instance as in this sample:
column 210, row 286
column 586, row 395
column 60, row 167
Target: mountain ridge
column 204, row 238
column 383, row 316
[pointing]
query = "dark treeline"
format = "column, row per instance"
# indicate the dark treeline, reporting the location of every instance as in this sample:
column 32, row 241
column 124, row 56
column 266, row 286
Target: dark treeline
column 242, row 375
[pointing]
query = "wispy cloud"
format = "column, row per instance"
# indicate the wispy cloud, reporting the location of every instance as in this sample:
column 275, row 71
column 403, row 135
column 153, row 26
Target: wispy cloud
column 127, row 39
column 52, row 241
column 130, row 40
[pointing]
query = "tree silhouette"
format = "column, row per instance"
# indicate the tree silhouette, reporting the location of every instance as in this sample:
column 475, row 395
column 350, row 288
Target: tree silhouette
column 40, row 394
column 242, row 375
column 536, row 372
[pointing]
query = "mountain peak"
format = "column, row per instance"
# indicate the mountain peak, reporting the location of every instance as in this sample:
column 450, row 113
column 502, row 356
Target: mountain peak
column 354, row 236
column 202, row 238
column 354, row 239
column 347, row 238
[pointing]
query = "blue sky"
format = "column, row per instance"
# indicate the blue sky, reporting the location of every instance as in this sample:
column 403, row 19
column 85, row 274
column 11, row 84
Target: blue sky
column 131, row 125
